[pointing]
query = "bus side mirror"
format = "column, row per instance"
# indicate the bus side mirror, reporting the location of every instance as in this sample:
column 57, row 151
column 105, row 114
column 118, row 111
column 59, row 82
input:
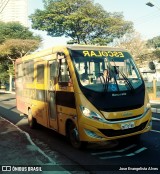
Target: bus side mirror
column 152, row 66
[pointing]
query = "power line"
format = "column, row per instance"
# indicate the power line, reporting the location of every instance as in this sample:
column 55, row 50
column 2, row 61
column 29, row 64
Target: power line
column 3, row 5
column 148, row 19
column 146, row 16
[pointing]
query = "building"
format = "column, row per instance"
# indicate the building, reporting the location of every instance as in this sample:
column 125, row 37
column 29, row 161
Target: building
column 14, row 11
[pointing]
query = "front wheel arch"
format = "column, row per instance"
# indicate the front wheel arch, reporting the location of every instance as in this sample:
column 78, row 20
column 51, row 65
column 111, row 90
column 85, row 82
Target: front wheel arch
column 73, row 135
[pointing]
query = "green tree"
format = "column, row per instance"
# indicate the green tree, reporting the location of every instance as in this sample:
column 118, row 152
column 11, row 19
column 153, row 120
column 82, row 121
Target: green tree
column 156, row 53
column 134, row 43
column 154, row 42
column 4, row 76
column 14, row 30
column 16, row 48
column 15, row 41
column 81, row 20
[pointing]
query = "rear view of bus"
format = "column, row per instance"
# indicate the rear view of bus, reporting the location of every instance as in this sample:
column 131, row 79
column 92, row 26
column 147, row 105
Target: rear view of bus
column 116, row 108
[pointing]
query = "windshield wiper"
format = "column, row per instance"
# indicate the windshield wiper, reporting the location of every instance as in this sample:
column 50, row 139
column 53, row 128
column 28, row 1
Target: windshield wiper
column 124, row 76
column 106, row 84
column 127, row 80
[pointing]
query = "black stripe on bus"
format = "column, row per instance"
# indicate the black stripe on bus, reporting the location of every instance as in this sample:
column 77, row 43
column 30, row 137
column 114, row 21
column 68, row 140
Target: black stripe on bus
column 66, row 99
column 63, row 98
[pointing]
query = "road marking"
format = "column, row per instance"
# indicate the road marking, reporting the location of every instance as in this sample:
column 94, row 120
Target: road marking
column 130, row 154
column 155, row 119
column 140, row 150
column 111, row 157
column 119, row 151
column 127, row 155
column 127, row 148
column 155, row 131
column 137, row 151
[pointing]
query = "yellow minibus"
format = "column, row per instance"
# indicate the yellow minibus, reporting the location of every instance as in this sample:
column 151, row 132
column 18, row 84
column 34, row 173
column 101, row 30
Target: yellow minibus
column 62, row 89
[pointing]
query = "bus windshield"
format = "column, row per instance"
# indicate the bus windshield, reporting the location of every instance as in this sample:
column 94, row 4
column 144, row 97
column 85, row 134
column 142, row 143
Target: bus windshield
column 91, row 67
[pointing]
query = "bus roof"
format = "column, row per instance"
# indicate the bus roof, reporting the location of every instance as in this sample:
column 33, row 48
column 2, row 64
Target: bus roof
column 91, row 47
column 55, row 49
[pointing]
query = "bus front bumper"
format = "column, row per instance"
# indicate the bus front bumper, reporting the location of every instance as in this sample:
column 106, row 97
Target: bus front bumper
column 94, row 132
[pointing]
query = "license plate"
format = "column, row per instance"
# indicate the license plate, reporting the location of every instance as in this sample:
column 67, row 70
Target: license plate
column 127, row 125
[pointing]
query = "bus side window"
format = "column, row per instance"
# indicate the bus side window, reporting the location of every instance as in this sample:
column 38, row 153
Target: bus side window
column 40, row 73
column 29, row 71
column 54, row 68
column 19, row 72
column 64, row 75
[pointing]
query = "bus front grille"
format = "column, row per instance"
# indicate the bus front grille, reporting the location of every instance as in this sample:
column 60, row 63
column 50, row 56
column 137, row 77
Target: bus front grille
column 112, row 133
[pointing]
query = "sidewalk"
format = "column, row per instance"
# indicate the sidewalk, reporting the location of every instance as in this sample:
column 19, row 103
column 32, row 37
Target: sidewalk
column 19, row 154
column 155, row 106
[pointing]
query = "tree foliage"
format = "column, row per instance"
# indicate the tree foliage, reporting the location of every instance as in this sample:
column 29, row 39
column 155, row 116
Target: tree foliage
column 143, row 51
column 81, row 20
column 14, row 30
column 15, row 41
column 4, row 76
column 156, row 53
column 134, row 43
column 16, row 48
column 154, row 42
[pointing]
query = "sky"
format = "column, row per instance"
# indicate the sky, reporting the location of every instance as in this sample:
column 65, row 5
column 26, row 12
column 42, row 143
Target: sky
column 146, row 19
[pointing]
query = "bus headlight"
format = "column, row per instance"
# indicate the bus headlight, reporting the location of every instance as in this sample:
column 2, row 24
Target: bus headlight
column 90, row 114
column 148, row 106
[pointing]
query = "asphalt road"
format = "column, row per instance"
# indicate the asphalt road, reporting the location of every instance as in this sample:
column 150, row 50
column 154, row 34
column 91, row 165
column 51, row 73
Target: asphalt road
column 126, row 154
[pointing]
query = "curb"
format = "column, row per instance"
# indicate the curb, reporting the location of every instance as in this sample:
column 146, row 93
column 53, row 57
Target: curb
column 7, row 92
column 155, row 119
column 155, row 110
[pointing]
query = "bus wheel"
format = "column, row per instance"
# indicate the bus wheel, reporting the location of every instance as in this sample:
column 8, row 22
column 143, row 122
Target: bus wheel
column 31, row 120
column 73, row 136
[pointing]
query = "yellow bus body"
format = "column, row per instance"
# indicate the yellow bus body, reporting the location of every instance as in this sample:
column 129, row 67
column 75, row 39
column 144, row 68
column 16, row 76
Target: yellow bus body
column 56, row 105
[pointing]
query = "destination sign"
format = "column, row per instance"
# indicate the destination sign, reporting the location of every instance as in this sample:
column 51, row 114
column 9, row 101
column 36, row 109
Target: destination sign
column 89, row 53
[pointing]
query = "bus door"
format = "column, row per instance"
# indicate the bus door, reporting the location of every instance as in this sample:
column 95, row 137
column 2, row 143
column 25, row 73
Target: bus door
column 52, row 80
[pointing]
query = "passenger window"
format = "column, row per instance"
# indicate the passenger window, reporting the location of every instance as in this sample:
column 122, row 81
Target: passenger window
column 29, row 71
column 40, row 73
column 64, row 75
column 20, row 72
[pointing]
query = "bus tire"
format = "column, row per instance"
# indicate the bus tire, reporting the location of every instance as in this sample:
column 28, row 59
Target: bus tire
column 31, row 120
column 73, row 136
